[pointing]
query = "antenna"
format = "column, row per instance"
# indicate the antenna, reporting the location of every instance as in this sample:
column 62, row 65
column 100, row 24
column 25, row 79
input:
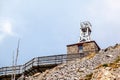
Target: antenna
column 85, row 31
column 13, row 68
column 16, row 59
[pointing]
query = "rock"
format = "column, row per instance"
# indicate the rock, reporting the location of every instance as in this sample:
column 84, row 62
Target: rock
column 106, row 74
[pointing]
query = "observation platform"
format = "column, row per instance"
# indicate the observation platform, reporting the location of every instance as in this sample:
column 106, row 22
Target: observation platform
column 38, row 64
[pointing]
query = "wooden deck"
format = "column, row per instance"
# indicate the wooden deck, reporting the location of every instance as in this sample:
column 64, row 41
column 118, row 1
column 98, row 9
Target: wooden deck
column 38, row 64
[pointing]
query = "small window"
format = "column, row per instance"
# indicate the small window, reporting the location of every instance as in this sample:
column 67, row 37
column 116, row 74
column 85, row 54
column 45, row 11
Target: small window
column 80, row 49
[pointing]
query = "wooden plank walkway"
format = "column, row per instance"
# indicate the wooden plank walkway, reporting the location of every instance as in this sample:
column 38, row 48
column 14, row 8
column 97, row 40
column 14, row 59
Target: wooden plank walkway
column 39, row 64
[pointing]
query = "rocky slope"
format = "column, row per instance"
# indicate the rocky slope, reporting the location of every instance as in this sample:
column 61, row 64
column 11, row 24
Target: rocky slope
column 104, row 65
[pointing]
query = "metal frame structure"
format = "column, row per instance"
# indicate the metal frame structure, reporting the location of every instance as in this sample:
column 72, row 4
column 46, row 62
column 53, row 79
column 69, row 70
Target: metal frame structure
column 85, row 31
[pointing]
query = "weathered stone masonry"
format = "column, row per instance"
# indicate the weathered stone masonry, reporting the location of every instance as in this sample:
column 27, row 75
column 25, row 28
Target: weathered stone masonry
column 90, row 46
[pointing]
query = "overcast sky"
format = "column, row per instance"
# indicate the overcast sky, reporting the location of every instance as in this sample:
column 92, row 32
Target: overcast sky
column 45, row 27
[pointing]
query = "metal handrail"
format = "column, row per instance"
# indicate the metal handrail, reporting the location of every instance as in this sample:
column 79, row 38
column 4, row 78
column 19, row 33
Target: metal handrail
column 10, row 70
column 41, row 61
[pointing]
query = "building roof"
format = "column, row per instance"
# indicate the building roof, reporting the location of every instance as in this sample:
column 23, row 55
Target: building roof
column 80, row 43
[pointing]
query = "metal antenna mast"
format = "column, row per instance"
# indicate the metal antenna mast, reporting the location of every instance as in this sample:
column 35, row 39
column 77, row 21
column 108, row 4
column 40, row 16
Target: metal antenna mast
column 16, row 59
column 85, row 31
column 13, row 67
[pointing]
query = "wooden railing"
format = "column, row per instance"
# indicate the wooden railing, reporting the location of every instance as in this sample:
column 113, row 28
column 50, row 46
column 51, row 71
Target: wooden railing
column 41, row 61
column 11, row 70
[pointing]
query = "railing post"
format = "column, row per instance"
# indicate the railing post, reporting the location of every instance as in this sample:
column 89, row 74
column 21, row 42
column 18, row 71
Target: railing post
column 19, row 70
column 62, row 58
column 5, row 70
column 25, row 67
column 32, row 61
column 38, row 62
column 55, row 60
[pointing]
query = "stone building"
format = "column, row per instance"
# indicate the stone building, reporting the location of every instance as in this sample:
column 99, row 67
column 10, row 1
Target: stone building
column 83, row 47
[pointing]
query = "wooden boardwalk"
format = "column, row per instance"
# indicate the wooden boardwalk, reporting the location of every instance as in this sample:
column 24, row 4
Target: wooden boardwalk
column 38, row 64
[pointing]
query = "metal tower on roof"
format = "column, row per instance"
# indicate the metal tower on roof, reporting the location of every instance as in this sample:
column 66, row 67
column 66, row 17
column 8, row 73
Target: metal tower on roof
column 85, row 31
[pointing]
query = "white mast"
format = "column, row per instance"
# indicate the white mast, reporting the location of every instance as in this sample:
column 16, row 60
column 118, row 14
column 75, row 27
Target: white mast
column 85, row 31
column 16, row 59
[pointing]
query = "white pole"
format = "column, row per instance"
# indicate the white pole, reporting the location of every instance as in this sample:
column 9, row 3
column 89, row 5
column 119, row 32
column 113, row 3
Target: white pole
column 16, row 59
column 12, row 76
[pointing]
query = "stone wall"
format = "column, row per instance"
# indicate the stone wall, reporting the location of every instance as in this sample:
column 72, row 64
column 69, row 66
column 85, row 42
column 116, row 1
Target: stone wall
column 72, row 49
column 87, row 47
column 91, row 47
